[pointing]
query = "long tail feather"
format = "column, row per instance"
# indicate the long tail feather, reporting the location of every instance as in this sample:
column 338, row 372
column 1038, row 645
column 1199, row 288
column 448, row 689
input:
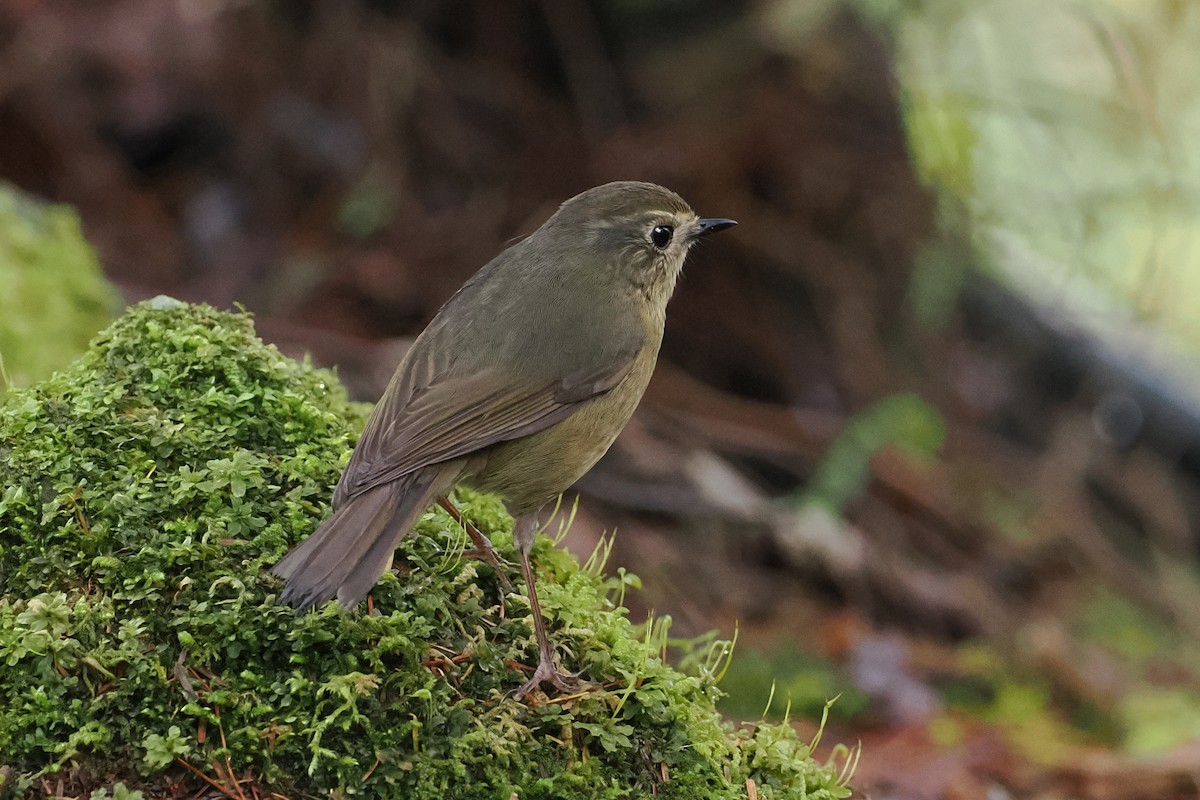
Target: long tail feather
column 345, row 557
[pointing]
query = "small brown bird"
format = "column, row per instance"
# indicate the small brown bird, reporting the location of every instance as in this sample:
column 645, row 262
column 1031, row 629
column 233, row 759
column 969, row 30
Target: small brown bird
column 518, row 386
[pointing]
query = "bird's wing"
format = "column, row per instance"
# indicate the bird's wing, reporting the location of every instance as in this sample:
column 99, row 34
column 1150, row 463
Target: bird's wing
column 425, row 418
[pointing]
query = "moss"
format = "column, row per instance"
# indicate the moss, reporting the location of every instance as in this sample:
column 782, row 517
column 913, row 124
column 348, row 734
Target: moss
column 147, row 491
column 55, row 298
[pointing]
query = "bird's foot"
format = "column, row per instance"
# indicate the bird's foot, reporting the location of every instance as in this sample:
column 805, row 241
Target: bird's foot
column 548, row 672
column 483, row 550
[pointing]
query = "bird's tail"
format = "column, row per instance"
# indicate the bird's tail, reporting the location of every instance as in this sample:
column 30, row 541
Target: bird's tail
column 346, row 555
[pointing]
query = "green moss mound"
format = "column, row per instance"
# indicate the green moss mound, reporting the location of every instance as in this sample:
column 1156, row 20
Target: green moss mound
column 148, row 489
column 54, row 297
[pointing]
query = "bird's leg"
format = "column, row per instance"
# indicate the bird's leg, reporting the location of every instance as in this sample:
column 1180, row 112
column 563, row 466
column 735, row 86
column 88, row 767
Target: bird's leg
column 483, row 549
column 547, row 669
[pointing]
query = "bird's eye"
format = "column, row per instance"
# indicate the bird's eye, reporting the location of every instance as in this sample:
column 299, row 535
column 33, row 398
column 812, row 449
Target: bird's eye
column 661, row 236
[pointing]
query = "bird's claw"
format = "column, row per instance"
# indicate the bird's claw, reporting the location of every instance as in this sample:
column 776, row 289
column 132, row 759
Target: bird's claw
column 548, row 672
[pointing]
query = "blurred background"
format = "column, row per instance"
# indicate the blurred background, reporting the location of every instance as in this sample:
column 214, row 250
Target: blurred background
column 926, row 429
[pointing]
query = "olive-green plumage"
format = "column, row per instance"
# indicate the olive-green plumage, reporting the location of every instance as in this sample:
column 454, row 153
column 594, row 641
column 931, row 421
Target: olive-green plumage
column 518, row 386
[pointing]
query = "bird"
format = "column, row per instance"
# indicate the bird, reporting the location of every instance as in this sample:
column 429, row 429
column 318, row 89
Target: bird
column 517, row 386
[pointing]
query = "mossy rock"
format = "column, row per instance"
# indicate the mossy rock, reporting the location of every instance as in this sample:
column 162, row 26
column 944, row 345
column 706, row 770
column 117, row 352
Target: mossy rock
column 54, row 298
column 146, row 492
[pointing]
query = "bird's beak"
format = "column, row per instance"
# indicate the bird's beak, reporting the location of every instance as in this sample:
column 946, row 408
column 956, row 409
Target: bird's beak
column 707, row 226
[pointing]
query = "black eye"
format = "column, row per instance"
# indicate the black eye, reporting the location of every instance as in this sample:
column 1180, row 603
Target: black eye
column 661, row 236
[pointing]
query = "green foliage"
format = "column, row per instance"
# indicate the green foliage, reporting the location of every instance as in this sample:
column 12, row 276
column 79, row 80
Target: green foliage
column 1158, row 719
column 119, row 792
column 147, row 491
column 1060, row 137
column 787, row 680
column 1021, row 704
column 1162, row 709
column 54, row 296
column 368, row 208
column 903, row 420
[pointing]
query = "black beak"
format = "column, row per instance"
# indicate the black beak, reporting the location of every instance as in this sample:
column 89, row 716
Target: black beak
column 708, row 226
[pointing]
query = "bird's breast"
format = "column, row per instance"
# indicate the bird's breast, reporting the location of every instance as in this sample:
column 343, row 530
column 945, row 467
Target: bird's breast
column 530, row 471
